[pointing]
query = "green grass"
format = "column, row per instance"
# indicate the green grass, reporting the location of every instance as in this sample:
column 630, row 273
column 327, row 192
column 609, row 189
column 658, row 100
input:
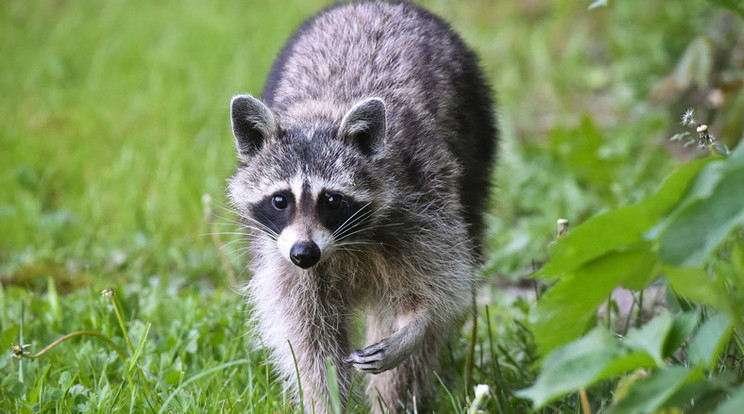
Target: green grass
column 115, row 124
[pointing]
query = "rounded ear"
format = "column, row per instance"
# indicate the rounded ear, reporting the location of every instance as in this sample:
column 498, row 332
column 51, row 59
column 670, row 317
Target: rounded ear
column 364, row 126
column 252, row 124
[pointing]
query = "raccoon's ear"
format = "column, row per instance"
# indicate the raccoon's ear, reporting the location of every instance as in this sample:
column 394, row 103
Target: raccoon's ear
column 252, row 124
column 364, row 126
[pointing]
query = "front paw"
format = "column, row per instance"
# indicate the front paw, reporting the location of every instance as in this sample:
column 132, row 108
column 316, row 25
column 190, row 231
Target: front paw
column 374, row 359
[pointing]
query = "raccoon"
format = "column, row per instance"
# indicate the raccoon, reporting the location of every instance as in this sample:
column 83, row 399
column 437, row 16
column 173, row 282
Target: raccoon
column 363, row 175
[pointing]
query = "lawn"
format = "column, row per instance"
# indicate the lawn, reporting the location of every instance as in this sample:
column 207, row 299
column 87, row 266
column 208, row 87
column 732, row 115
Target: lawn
column 115, row 130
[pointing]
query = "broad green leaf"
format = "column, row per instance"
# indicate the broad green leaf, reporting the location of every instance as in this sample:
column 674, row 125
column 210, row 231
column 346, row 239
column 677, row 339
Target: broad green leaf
column 594, row 357
column 696, row 285
column 619, row 228
column 563, row 313
column 653, row 393
column 700, row 226
column 683, row 326
column 709, row 341
column 733, row 405
column 651, row 338
column 737, row 263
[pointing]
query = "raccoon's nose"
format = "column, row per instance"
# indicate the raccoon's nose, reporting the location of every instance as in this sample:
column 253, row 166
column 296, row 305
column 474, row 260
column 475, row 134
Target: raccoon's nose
column 305, row 254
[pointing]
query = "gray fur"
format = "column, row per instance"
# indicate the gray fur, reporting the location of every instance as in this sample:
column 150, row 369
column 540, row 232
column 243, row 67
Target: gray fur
column 381, row 103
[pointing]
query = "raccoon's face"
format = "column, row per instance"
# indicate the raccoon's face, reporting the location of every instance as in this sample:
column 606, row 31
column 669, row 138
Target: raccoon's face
column 309, row 225
column 309, row 189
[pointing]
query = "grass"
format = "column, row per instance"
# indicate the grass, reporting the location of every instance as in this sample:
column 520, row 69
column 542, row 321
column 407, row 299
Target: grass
column 115, row 124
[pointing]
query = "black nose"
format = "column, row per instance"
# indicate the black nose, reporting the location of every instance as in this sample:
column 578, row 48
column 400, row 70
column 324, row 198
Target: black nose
column 305, row 254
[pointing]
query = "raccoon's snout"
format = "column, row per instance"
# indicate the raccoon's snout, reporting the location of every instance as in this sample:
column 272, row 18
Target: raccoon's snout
column 305, row 254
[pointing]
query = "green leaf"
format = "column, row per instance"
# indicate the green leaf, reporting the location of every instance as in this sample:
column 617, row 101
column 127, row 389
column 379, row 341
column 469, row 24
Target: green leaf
column 65, row 380
column 594, row 357
column 653, row 393
column 683, row 326
column 701, row 225
column 737, row 264
column 563, row 313
column 695, row 284
column 733, row 404
column 51, row 395
column 13, row 388
column 651, row 338
column 619, row 228
column 710, row 340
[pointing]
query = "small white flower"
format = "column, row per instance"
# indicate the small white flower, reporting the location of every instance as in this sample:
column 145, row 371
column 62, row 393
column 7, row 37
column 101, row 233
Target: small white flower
column 480, row 400
column 481, row 391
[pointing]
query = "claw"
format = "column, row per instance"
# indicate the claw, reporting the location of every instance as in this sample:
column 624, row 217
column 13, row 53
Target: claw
column 370, row 359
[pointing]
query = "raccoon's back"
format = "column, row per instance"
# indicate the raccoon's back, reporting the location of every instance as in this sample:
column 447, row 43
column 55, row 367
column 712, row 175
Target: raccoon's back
column 439, row 107
column 351, row 51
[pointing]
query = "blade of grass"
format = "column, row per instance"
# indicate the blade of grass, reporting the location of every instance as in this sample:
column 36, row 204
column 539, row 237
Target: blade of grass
column 333, row 387
column 449, row 394
column 220, row 367
column 299, row 381
column 140, row 345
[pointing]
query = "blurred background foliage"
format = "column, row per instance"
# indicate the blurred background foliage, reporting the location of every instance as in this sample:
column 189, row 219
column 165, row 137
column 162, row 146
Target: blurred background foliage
column 115, row 124
column 115, row 118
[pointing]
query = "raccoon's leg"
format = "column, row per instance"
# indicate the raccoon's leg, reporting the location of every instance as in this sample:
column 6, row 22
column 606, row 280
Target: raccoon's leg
column 312, row 344
column 393, row 349
column 395, row 390
column 315, row 326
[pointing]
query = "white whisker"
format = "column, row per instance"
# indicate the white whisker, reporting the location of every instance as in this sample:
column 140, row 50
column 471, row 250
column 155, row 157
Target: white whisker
column 353, row 219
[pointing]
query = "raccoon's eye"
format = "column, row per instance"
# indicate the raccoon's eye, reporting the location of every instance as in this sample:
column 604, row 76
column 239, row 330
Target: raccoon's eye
column 333, row 200
column 279, row 202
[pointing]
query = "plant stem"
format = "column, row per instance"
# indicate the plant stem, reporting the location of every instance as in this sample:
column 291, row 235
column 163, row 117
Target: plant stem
column 61, row 339
column 471, row 356
column 585, row 402
column 20, row 363
column 123, row 327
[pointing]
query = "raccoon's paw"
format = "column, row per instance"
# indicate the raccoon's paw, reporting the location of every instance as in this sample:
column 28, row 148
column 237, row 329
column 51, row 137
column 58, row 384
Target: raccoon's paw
column 375, row 359
column 389, row 352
